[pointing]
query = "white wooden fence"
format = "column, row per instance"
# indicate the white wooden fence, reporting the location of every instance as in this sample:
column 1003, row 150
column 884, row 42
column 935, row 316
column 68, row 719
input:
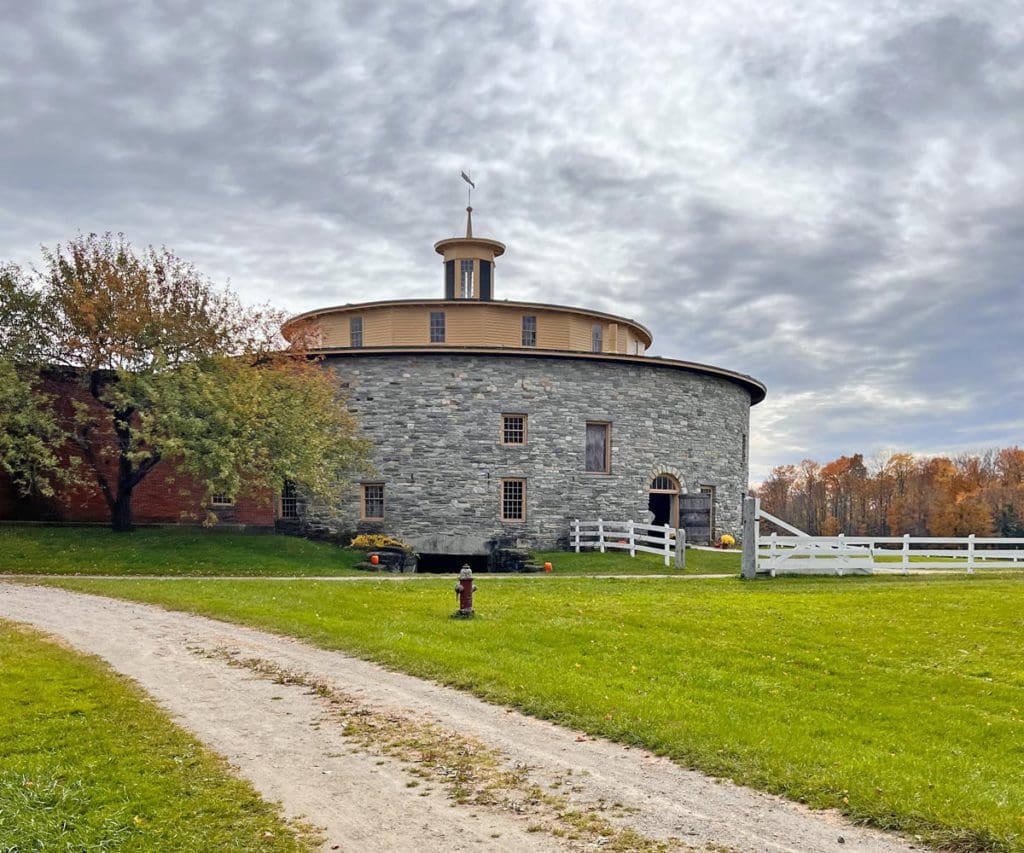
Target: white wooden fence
column 630, row 536
column 799, row 553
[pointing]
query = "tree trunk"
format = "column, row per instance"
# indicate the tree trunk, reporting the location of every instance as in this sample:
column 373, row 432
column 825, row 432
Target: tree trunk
column 121, row 512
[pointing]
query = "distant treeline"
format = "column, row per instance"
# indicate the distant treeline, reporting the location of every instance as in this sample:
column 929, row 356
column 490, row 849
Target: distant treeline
column 899, row 493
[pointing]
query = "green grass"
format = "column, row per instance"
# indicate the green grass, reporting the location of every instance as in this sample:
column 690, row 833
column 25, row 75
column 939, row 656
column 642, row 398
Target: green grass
column 166, row 551
column 896, row 700
column 193, row 552
column 698, row 561
column 88, row 763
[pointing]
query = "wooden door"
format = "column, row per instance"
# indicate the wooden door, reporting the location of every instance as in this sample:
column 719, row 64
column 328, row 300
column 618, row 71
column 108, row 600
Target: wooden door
column 695, row 518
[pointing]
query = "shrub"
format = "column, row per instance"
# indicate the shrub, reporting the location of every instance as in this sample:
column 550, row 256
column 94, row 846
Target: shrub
column 370, row 541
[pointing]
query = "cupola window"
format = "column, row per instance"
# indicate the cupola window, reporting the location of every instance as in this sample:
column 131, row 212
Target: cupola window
column 466, row 286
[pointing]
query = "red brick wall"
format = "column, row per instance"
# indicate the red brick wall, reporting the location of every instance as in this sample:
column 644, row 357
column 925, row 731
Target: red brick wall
column 166, row 495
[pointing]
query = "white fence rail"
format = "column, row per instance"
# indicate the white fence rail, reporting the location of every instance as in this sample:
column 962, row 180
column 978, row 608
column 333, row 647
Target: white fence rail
column 840, row 555
column 630, row 536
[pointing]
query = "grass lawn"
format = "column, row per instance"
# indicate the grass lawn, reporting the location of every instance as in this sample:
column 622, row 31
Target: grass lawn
column 166, row 551
column 191, row 552
column 698, row 561
column 899, row 701
column 88, row 763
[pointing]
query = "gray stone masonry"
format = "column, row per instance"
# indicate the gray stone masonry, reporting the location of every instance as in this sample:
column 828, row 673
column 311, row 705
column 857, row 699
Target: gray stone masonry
column 435, row 423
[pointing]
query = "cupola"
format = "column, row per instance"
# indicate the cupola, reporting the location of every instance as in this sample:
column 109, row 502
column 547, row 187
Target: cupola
column 469, row 264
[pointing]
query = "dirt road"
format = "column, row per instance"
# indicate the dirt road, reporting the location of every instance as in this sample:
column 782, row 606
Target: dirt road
column 384, row 761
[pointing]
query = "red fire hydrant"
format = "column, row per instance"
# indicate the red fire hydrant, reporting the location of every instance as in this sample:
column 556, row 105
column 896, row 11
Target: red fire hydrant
column 464, row 590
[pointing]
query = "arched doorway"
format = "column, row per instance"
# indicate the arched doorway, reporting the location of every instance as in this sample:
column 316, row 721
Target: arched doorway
column 663, row 500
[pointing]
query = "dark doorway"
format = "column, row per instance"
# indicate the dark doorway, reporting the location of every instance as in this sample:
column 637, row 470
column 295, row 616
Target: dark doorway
column 451, row 564
column 661, row 505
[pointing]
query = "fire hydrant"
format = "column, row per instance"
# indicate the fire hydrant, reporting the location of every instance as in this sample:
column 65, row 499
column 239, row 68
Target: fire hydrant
column 464, row 590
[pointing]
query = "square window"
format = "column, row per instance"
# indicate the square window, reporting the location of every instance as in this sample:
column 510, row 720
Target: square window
column 437, row 327
column 513, row 429
column 529, row 331
column 373, row 500
column 355, row 332
column 599, row 448
column 513, row 500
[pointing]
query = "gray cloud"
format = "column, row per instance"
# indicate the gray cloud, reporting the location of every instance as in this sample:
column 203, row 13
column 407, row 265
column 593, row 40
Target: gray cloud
column 829, row 201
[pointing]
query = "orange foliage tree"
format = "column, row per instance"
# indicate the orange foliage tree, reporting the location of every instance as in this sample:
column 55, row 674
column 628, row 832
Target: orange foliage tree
column 937, row 496
column 168, row 366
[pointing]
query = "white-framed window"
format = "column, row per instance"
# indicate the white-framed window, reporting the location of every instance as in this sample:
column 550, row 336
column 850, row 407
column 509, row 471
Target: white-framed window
column 513, row 429
column 466, row 279
column 373, row 501
column 597, row 337
column 355, row 332
column 599, row 447
column 292, row 505
column 513, row 499
column 529, row 331
column 437, row 327
column 222, row 499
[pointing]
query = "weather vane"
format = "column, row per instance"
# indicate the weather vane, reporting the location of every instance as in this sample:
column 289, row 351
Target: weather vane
column 469, row 192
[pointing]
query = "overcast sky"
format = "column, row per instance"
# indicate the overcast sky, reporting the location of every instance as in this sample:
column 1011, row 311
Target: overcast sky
column 828, row 196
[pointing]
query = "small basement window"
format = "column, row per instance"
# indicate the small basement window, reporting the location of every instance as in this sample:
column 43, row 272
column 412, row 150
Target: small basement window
column 373, row 501
column 513, row 500
column 437, row 327
column 599, row 447
column 513, row 429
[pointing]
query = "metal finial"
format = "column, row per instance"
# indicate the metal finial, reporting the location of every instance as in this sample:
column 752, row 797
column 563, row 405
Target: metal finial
column 469, row 192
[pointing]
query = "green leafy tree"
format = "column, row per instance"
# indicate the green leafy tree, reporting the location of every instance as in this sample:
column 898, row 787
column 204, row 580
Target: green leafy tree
column 169, row 368
column 29, row 429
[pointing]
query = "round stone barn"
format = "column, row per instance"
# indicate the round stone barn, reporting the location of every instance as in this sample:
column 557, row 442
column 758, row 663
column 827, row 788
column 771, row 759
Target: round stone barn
column 495, row 423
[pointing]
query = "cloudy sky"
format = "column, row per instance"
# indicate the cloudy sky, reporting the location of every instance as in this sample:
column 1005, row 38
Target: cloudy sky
column 828, row 196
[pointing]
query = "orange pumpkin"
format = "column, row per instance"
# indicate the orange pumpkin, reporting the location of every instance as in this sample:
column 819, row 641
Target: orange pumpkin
column 374, row 560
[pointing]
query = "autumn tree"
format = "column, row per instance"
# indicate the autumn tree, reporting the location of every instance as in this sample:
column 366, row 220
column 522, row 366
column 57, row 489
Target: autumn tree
column 938, row 496
column 167, row 367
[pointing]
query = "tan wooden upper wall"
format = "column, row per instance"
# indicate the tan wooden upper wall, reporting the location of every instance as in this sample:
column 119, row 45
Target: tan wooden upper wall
column 473, row 323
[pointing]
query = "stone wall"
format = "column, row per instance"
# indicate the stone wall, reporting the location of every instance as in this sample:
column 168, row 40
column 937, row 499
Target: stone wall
column 435, row 423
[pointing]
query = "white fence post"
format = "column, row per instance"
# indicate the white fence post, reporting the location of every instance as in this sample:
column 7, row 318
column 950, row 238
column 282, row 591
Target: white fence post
column 773, row 550
column 668, row 545
column 632, row 538
column 906, row 553
column 576, row 534
column 600, row 535
column 970, row 554
column 842, row 552
column 680, row 547
column 749, row 565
